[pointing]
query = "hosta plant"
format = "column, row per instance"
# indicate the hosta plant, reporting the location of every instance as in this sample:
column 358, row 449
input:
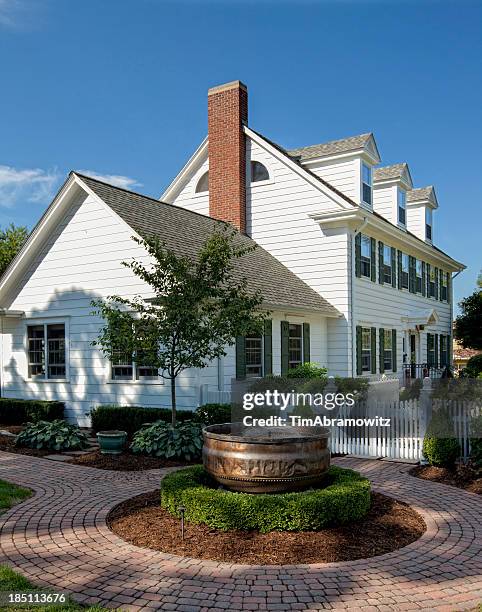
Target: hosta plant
column 55, row 435
column 183, row 441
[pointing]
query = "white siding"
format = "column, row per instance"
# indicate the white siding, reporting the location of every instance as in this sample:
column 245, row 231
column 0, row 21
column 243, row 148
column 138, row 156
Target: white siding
column 416, row 220
column 187, row 198
column 385, row 202
column 343, row 174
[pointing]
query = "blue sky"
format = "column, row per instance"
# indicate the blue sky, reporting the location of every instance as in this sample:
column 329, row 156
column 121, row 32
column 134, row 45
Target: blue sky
column 118, row 88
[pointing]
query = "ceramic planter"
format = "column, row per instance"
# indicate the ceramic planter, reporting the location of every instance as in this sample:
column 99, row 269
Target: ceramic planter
column 111, row 442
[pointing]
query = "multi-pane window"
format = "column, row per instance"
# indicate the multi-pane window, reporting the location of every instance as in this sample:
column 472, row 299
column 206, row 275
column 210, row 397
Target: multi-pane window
column 402, row 207
column 430, row 349
column 443, row 351
column 387, row 350
column 366, row 349
column 203, row 183
column 295, row 345
column 418, row 276
column 367, row 184
column 428, row 223
column 254, row 355
column 431, row 283
column 366, row 256
column 259, row 172
column 46, row 351
column 387, row 264
column 404, row 277
column 444, row 288
column 124, row 366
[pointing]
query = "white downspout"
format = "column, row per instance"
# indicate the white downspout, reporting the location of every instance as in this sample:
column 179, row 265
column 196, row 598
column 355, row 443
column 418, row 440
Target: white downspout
column 352, row 297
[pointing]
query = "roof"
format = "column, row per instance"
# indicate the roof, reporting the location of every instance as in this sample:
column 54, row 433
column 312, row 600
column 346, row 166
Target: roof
column 422, row 193
column 184, row 232
column 389, row 172
column 331, row 148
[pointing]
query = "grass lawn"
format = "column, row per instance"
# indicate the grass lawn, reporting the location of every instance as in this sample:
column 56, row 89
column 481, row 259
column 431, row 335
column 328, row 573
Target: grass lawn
column 10, row 495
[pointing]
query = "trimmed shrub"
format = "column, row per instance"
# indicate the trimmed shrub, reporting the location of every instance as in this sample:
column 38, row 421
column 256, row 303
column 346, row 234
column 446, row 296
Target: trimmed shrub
column 345, row 499
column 440, row 447
column 307, row 370
column 52, row 435
column 211, row 414
column 185, row 441
column 18, row 411
column 473, row 368
column 132, row 418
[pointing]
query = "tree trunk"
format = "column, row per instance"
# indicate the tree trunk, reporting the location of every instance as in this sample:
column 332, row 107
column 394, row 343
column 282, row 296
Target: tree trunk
column 173, row 400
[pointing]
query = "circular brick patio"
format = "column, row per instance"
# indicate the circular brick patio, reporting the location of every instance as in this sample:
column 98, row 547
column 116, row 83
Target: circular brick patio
column 59, row 538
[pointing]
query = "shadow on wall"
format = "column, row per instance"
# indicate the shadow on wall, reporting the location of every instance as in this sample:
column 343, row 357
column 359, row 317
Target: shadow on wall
column 88, row 381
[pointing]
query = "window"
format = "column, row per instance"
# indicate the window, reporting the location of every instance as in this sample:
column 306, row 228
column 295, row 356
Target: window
column 123, row 367
column 443, row 351
column 366, row 184
column 295, row 345
column 366, row 256
column 203, row 183
column 387, row 350
column 404, row 277
column 418, row 276
column 431, row 283
column 254, row 355
column 259, row 172
column 444, row 288
column 430, row 349
column 428, row 223
column 387, row 265
column 46, row 351
column 402, row 209
column 366, row 349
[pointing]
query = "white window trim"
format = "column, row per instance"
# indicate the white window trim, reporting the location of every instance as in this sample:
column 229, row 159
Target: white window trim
column 262, row 360
column 300, row 323
column 366, row 205
column 249, row 182
column 197, row 177
column 48, row 321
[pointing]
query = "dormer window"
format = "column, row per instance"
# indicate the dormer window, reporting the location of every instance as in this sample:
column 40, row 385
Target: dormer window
column 402, row 206
column 428, row 223
column 203, row 183
column 366, row 184
column 259, row 172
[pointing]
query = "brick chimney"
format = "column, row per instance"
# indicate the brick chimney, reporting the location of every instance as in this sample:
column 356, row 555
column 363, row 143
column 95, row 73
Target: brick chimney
column 227, row 113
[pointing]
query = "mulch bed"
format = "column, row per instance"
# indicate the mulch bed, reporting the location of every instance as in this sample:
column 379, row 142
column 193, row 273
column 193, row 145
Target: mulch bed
column 15, row 429
column 388, row 526
column 7, row 444
column 126, row 462
column 462, row 477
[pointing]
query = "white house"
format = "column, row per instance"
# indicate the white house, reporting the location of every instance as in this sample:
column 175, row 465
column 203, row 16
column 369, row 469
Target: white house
column 345, row 263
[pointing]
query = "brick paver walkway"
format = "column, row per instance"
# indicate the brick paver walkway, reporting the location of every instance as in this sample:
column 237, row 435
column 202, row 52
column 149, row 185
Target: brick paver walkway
column 59, row 538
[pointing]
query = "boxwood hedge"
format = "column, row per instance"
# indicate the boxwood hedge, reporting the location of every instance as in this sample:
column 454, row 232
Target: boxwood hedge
column 18, row 411
column 345, row 499
column 131, row 418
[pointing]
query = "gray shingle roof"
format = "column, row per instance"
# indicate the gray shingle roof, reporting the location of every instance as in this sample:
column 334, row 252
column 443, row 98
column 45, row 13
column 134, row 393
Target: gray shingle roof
column 389, row 172
column 331, row 148
column 184, row 232
column 422, row 193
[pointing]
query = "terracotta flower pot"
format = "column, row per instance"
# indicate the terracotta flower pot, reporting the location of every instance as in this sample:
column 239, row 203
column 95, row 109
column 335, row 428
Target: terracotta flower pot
column 111, row 442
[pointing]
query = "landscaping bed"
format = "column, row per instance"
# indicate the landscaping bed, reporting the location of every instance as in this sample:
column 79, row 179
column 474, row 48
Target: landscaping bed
column 462, row 477
column 388, row 526
column 7, row 444
column 126, row 461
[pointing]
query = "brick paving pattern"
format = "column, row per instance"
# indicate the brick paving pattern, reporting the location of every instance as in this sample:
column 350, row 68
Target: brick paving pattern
column 59, row 538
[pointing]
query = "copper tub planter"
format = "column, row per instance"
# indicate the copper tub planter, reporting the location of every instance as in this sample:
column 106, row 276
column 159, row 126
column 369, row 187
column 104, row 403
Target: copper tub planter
column 278, row 460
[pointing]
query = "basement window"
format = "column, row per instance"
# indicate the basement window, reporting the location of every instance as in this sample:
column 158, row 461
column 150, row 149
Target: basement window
column 259, row 172
column 203, row 183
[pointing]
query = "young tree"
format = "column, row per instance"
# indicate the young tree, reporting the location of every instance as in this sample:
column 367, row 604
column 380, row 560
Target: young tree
column 12, row 240
column 199, row 307
column 468, row 325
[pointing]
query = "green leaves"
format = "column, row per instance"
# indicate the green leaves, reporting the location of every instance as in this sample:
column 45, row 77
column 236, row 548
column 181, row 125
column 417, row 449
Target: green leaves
column 12, row 240
column 184, row 441
column 56, row 435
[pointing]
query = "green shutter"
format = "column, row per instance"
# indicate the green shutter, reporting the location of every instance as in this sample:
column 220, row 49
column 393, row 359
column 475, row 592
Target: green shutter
column 428, row 279
column 373, row 352
column 373, row 259
column 437, row 292
column 412, row 275
column 424, row 279
column 394, row 267
column 268, row 348
column 285, row 331
column 435, row 349
column 240, row 357
column 394, row 350
column 381, row 343
column 306, row 342
column 380, row 263
column 440, row 284
column 399, row 268
column 358, row 255
column 358, row 350
column 449, row 289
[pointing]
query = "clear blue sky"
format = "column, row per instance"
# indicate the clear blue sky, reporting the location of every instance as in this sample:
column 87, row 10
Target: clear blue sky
column 119, row 88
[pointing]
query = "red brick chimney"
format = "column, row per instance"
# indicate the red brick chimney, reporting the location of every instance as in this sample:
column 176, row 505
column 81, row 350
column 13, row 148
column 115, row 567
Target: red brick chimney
column 227, row 113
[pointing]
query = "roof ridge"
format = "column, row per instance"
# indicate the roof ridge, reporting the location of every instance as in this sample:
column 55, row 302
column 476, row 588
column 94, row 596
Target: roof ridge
column 326, row 142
